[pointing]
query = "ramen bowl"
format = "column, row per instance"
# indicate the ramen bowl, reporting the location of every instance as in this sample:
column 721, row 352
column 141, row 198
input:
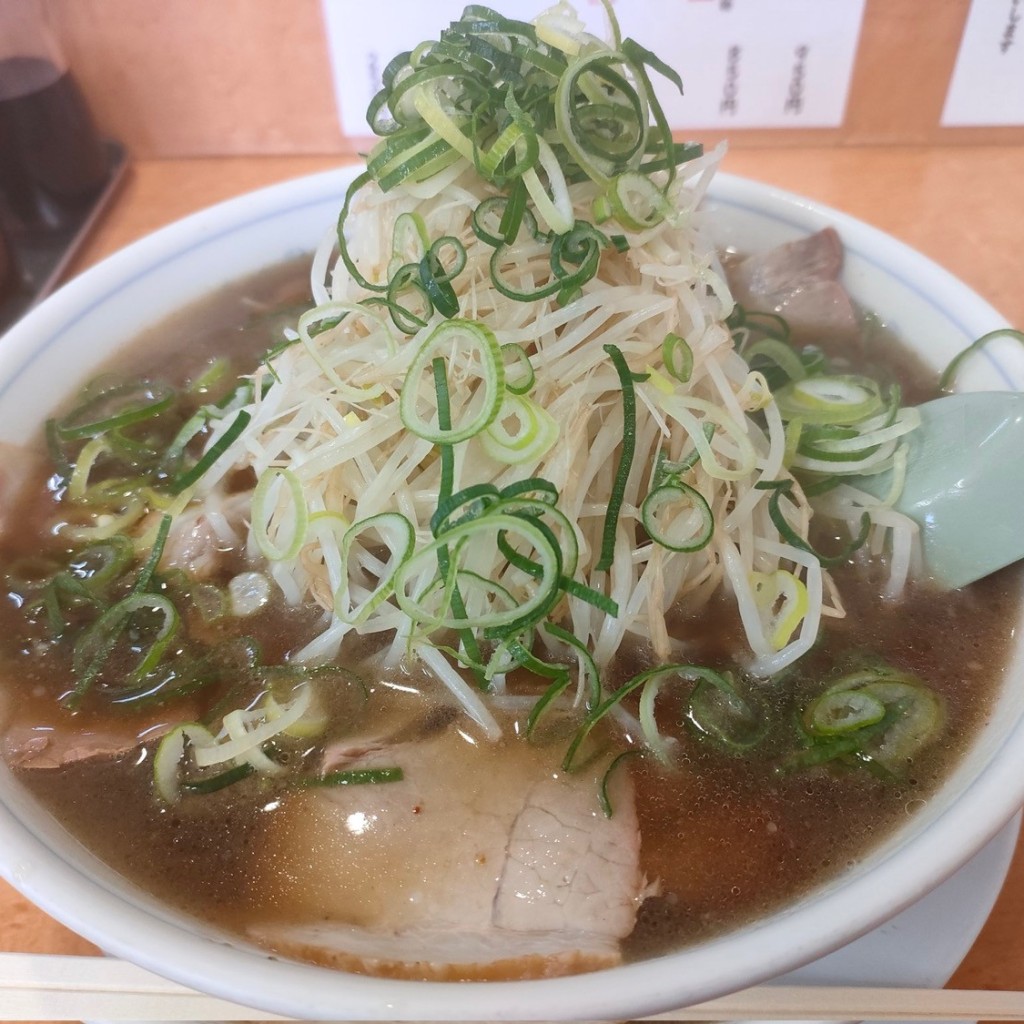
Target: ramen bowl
column 54, row 349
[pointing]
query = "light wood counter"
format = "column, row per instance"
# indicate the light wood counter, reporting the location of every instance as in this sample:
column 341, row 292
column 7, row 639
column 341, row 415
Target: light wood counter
column 964, row 207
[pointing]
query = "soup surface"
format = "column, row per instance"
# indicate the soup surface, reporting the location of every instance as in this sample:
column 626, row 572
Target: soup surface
column 731, row 831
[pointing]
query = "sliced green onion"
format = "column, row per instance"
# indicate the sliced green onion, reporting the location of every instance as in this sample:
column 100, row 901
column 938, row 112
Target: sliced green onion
column 344, row 690
column 482, row 220
column 427, row 101
column 828, row 399
column 720, row 713
column 602, row 794
column 549, row 517
column 691, row 525
column 677, row 356
column 96, row 644
column 601, row 209
column 436, row 280
column 950, row 372
column 447, row 456
column 643, row 58
column 416, row 161
column 61, row 591
column 591, row 96
column 783, row 602
column 78, row 482
column 793, row 433
column 514, row 152
column 770, row 324
column 680, row 153
column 515, row 214
column 592, row 597
column 55, row 449
column 687, row 672
column 99, row 565
column 587, row 664
column 848, row 748
column 267, row 507
column 231, row 661
column 782, row 488
column 553, row 202
column 486, row 529
column 842, row 711
column 519, row 373
column 666, row 471
column 359, row 182
column 189, row 429
column 464, row 338
column 244, row 734
column 778, row 352
column 920, row 717
column 156, row 552
column 844, row 722
column 559, row 675
column 357, row 777
column 636, row 202
column 108, row 524
column 472, row 501
column 444, row 422
column 409, row 241
column 535, row 488
column 169, row 754
column 215, row 370
column 398, row 535
column 115, row 407
column 214, row 783
column 406, row 280
column 213, row 453
column 611, row 519
column 537, row 431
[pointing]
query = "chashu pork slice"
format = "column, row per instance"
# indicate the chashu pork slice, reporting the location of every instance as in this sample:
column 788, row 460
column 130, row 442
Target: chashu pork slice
column 484, row 862
column 799, row 281
column 200, row 540
column 57, row 744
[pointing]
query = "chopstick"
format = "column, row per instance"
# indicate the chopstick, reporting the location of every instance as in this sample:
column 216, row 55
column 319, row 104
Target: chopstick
column 41, row 987
column 793, row 1002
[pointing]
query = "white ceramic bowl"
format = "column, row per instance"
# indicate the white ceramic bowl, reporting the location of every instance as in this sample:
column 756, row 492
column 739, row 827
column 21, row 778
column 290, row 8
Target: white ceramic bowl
column 46, row 355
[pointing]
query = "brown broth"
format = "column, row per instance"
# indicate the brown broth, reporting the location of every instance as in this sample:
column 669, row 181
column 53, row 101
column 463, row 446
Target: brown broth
column 729, row 837
column 746, row 840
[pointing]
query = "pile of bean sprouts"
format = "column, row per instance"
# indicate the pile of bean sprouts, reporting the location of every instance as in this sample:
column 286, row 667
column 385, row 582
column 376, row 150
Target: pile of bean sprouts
column 346, row 491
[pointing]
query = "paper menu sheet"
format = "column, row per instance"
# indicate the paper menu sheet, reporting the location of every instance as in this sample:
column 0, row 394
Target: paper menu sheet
column 744, row 63
column 987, row 87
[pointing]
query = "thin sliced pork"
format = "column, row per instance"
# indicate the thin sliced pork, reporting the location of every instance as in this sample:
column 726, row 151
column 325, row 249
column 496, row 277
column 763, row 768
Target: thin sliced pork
column 200, row 541
column 42, row 746
column 799, row 281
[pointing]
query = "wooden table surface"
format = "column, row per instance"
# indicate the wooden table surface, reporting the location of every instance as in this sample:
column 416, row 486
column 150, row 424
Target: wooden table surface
column 964, row 207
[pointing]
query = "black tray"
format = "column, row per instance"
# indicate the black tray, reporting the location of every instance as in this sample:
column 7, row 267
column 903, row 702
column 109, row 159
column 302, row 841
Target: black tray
column 43, row 254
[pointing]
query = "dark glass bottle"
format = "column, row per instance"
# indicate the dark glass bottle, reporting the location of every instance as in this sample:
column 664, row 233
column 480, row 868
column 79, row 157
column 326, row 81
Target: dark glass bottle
column 51, row 157
column 8, row 273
